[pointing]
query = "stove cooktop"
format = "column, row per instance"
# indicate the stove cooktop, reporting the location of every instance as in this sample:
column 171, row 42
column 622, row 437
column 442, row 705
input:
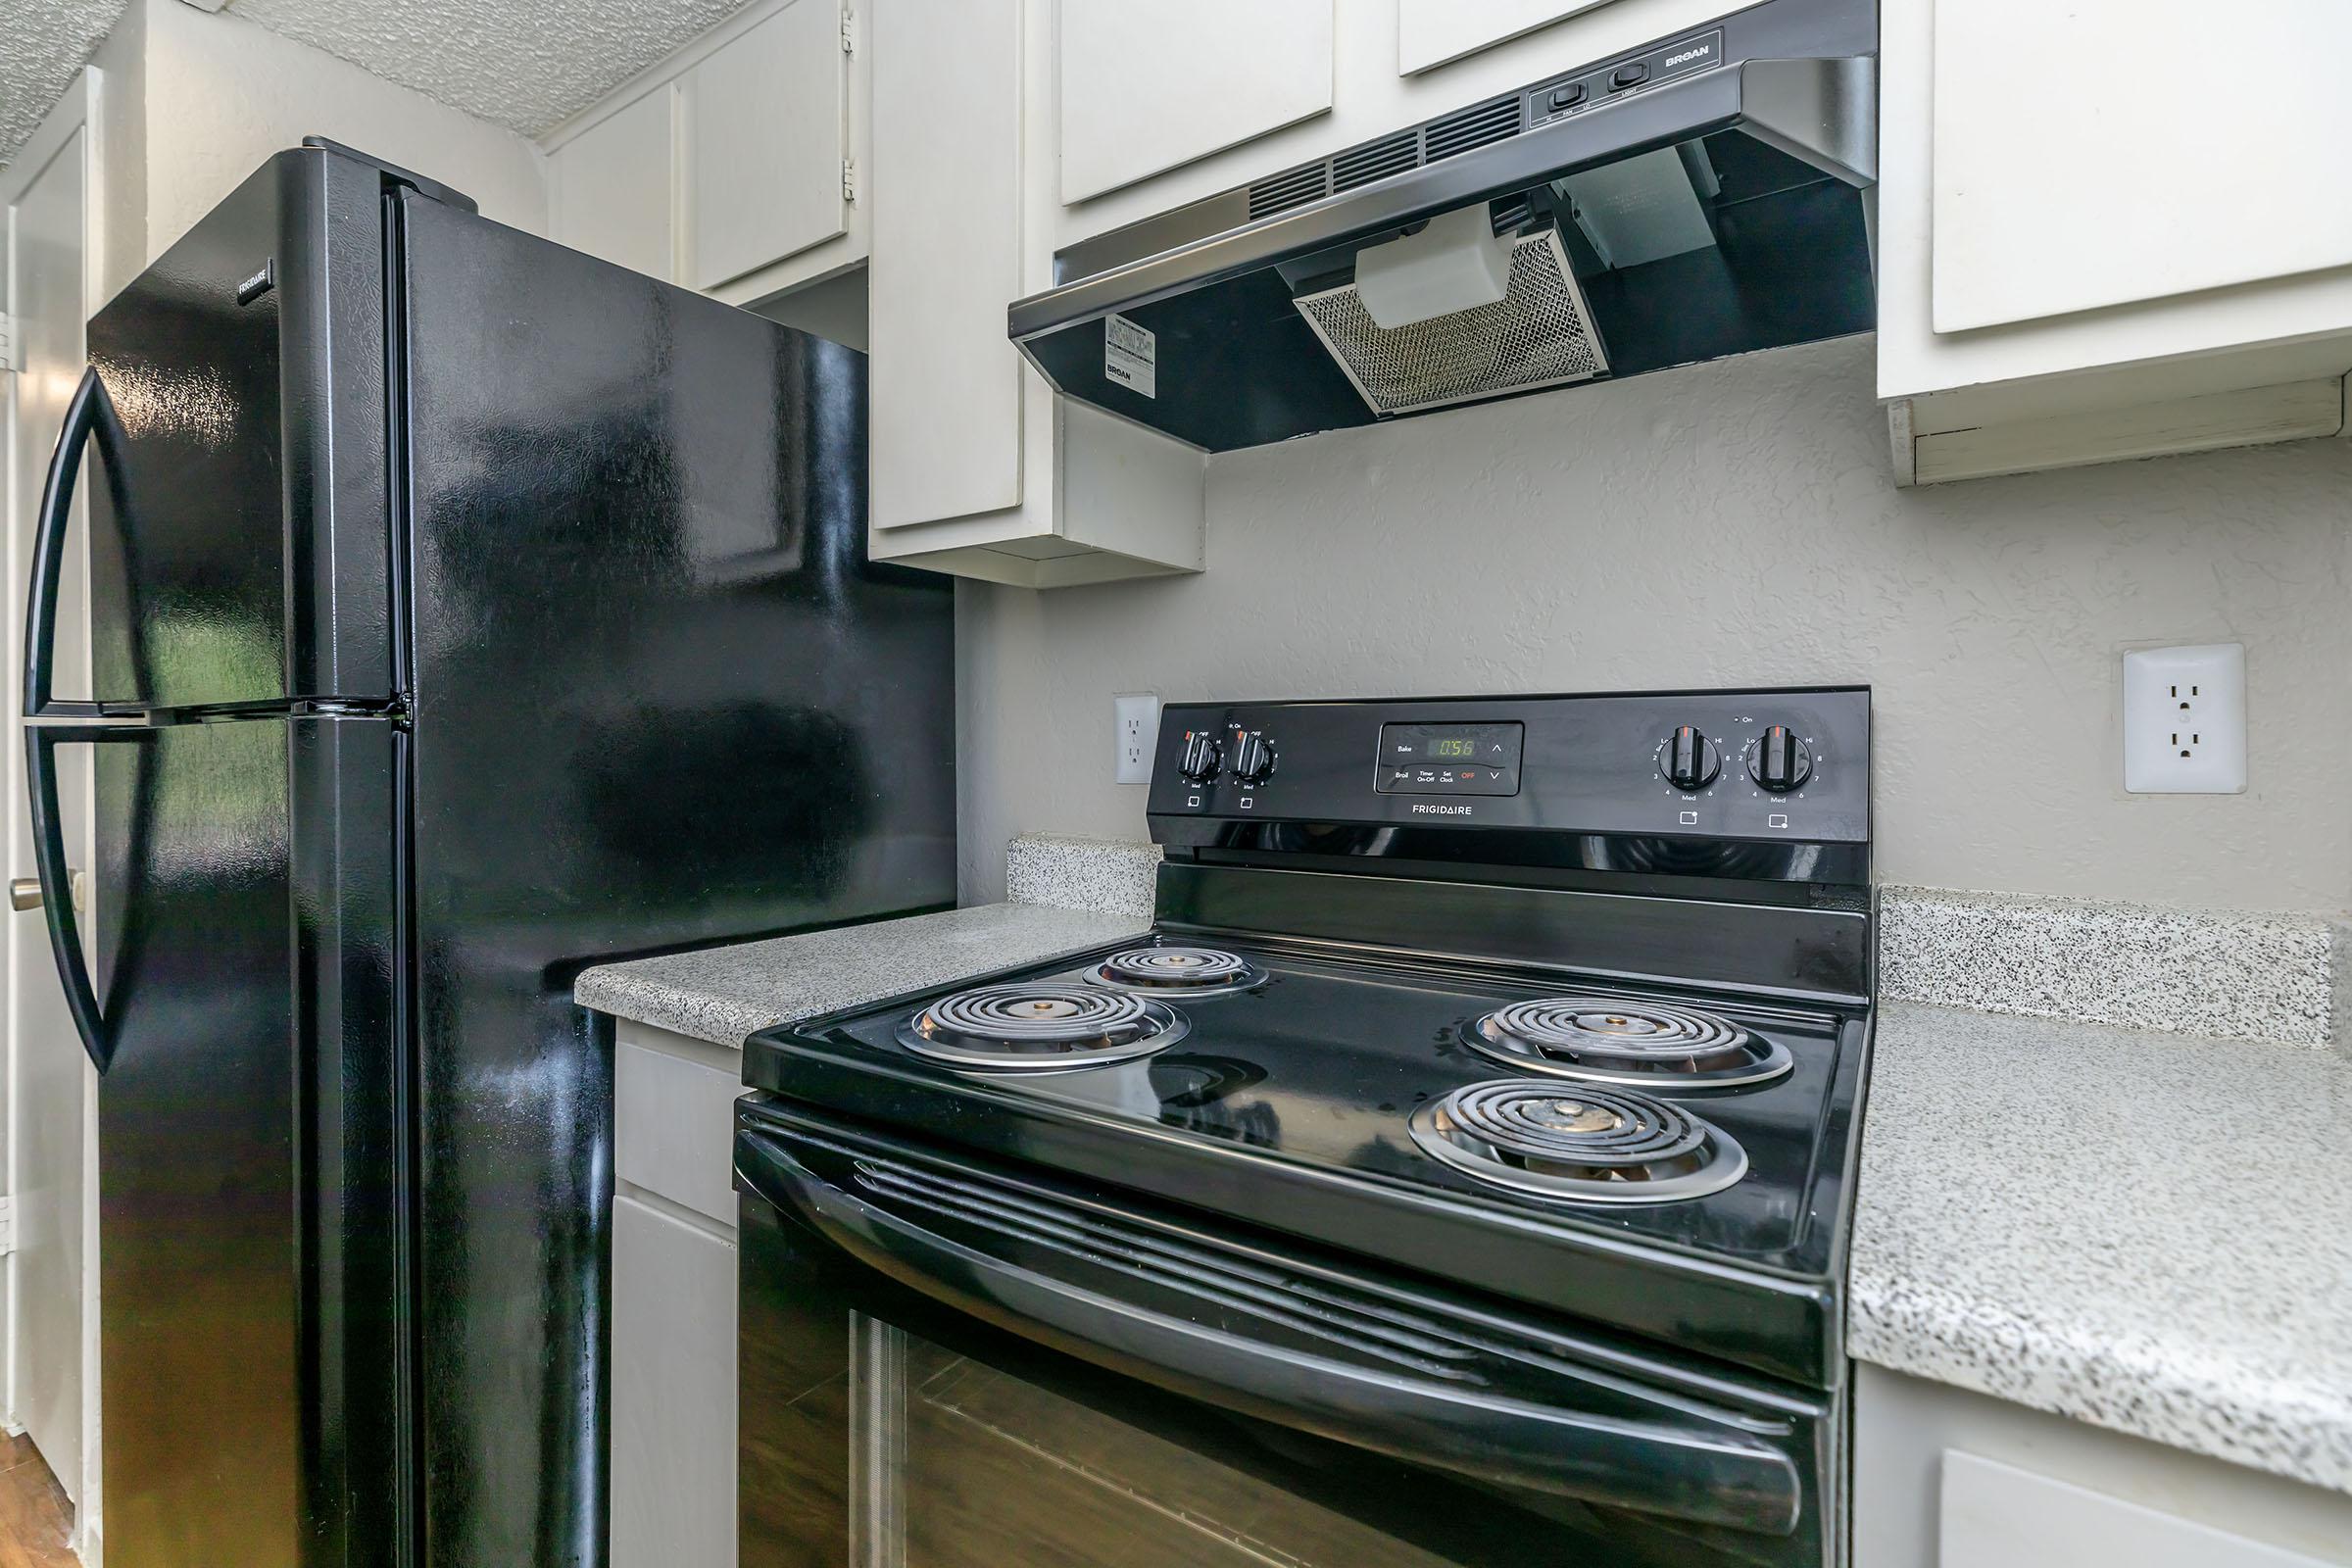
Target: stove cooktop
column 1359, row 1100
column 1408, row 1003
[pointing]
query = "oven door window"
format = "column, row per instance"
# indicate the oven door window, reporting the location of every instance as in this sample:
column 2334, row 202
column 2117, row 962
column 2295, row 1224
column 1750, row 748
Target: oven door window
column 957, row 1463
column 933, row 1414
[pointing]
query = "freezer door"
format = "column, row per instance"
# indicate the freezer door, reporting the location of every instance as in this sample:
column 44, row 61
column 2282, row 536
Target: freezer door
column 252, row 1260
column 240, row 521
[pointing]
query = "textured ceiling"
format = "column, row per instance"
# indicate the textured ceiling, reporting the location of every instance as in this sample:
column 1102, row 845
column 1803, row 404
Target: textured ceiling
column 42, row 43
column 522, row 63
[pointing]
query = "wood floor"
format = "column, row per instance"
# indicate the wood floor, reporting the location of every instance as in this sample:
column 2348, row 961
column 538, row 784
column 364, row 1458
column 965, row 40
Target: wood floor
column 34, row 1515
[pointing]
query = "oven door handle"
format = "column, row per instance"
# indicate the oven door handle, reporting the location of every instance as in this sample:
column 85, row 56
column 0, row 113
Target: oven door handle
column 1694, row 1471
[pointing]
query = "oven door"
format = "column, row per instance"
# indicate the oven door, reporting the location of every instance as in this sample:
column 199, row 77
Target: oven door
column 948, row 1365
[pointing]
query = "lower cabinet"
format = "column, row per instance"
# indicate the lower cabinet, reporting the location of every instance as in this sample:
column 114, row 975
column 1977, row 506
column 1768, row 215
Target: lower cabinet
column 674, row 1391
column 1949, row 1478
column 673, row 1302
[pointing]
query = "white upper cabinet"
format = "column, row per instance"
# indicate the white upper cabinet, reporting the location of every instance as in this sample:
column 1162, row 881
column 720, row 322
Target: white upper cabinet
column 613, row 187
column 731, row 167
column 975, row 466
column 1433, row 33
column 2107, row 231
column 944, row 420
column 1148, row 85
column 766, row 139
column 2102, row 152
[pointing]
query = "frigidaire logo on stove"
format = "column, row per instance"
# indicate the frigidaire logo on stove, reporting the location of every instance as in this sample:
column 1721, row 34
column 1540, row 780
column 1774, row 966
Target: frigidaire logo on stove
column 1695, row 52
column 1421, row 810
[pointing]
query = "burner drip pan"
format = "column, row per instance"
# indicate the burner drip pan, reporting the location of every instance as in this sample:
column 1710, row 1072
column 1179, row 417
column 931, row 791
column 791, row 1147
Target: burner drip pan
column 1040, row 1026
column 1176, row 971
column 1591, row 1146
column 1612, row 1039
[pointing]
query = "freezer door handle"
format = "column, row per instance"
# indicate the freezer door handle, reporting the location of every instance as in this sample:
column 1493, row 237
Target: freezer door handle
column 56, row 883
column 91, row 413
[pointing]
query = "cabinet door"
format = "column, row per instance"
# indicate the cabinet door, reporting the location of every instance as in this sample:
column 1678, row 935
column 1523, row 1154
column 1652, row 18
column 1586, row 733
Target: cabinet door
column 673, row 1392
column 765, row 137
column 2105, row 152
column 1150, row 84
column 1432, row 32
column 1998, row 1516
column 944, row 382
column 613, row 187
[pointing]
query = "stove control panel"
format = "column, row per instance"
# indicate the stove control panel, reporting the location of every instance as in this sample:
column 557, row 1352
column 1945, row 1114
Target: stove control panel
column 1641, row 770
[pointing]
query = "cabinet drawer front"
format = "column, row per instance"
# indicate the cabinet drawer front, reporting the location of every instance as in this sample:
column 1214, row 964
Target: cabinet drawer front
column 1998, row 1516
column 674, row 1128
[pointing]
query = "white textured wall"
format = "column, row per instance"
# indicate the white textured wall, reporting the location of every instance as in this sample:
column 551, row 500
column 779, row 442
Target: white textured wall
column 1733, row 524
column 223, row 95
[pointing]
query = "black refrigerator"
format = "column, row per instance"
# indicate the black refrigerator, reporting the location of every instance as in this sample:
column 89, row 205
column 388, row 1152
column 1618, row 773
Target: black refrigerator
column 465, row 612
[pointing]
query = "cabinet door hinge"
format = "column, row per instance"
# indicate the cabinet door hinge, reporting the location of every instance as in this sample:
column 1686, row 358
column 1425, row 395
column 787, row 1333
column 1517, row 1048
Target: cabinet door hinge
column 848, row 180
column 849, row 30
column 8, row 1226
column 8, row 349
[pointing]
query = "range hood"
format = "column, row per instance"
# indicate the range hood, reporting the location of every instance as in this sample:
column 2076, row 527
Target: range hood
column 1708, row 195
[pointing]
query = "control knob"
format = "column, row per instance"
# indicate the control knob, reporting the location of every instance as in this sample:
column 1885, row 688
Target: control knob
column 1781, row 763
column 1692, row 760
column 1203, row 755
column 1252, row 756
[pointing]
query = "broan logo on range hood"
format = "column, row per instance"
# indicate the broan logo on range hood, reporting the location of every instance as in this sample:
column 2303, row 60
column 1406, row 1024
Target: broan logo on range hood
column 1700, row 197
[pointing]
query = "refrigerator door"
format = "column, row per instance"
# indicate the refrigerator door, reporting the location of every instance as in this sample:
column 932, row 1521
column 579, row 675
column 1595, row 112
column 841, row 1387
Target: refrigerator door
column 661, row 699
column 251, row 1249
column 240, row 526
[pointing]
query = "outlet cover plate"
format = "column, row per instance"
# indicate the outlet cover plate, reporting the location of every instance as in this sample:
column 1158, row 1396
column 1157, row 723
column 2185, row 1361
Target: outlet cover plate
column 1135, row 731
column 2184, row 720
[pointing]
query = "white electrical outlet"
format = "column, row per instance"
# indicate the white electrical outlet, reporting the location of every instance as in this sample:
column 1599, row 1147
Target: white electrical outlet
column 2184, row 720
column 1135, row 717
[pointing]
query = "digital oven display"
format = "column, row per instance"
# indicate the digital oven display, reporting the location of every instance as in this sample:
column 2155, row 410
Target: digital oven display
column 1450, row 759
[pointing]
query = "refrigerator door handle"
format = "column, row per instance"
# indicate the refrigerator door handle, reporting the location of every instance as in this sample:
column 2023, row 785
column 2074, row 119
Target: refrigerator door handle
column 57, row 878
column 91, row 412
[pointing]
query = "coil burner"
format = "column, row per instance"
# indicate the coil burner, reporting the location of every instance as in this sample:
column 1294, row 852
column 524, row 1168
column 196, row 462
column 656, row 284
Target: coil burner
column 1167, row 971
column 1591, row 1146
column 1611, row 1040
column 1040, row 1026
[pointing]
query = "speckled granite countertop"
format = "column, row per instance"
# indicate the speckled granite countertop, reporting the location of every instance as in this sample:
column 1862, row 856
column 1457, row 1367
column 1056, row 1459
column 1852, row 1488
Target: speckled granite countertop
column 723, row 994
column 1069, row 895
column 2144, row 1231
column 2149, row 1231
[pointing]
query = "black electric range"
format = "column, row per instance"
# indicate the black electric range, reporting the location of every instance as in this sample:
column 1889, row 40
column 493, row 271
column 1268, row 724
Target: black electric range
column 1483, row 1101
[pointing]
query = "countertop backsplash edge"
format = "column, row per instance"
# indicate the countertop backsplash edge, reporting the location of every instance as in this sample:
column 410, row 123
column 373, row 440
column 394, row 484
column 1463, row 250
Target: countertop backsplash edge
column 1103, row 876
column 2237, row 974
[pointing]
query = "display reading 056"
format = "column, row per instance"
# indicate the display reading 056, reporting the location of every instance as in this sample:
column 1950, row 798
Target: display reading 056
column 1450, row 759
column 1487, row 746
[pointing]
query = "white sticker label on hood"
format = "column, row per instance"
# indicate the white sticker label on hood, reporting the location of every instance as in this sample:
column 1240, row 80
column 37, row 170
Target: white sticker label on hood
column 1131, row 355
